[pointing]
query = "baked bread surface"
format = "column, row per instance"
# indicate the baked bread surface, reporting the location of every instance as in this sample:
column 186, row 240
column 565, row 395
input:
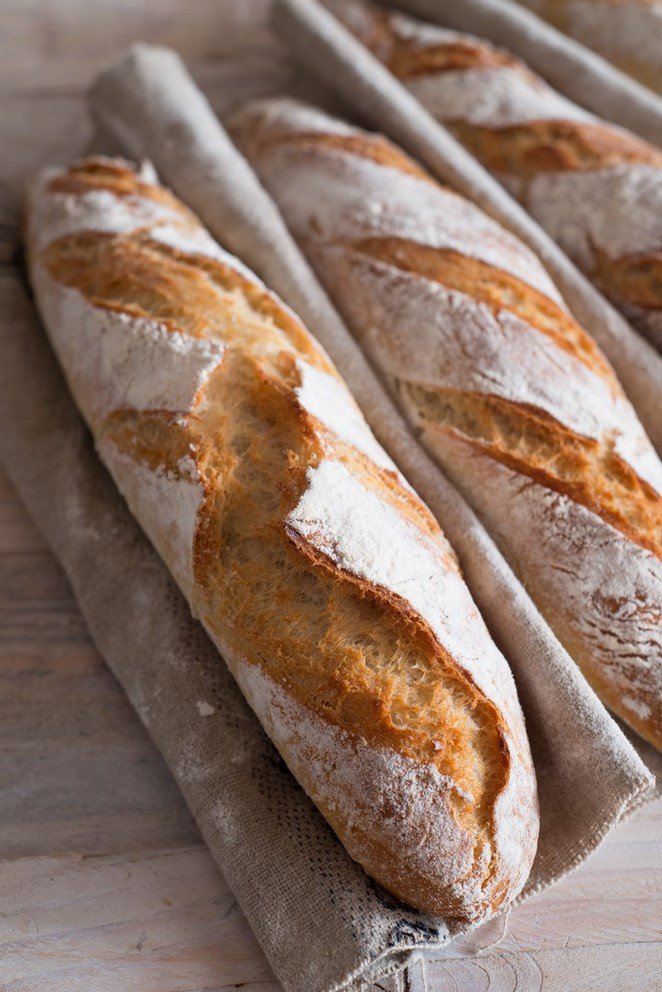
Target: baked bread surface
column 505, row 389
column 594, row 187
column 321, row 576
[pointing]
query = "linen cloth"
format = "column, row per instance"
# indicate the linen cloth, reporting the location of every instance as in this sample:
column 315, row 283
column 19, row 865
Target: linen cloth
column 330, row 53
column 569, row 66
column 283, row 862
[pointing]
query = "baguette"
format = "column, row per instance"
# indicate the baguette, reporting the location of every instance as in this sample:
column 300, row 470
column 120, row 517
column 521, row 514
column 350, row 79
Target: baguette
column 320, row 575
column 504, row 388
column 594, row 187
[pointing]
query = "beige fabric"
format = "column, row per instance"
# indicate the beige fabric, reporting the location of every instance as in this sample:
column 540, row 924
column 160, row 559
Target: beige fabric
column 569, row 66
column 283, row 863
column 148, row 105
column 330, row 52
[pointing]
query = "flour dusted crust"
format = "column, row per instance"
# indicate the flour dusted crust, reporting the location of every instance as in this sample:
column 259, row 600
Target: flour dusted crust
column 178, row 493
column 610, row 222
column 461, row 344
column 594, row 187
column 324, row 170
column 323, row 579
column 605, row 605
column 491, row 96
column 362, row 783
column 160, row 369
column 327, row 398
column 496, row 377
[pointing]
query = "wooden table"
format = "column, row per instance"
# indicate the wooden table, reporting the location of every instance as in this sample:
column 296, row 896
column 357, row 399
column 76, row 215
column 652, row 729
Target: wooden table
column 105, row 885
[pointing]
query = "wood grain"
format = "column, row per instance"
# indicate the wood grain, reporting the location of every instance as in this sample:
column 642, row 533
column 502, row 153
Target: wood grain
column 184, row 927
column 104, row 883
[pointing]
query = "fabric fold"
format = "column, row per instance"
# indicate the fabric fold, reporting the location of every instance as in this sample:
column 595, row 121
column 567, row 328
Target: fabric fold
column 329, row 52
column 283, row 863
column 568, row 65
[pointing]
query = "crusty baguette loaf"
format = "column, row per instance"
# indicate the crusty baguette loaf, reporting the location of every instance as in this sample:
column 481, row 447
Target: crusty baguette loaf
column 505, row 389
column 320, row 575
column 595, row 188
column 627, row 32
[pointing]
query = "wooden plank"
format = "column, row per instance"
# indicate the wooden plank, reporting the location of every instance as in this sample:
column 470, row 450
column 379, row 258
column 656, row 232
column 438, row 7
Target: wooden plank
column 17, row 532
column 75, row 757
column 626, row 968
column 77, row 769
column 166, row 921
column 63, row 45
column 151, row 922
column 615, row 897
column 140, row 904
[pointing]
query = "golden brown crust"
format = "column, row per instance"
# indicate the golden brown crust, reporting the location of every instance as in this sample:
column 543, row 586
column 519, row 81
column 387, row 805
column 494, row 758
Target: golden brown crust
column 407, row 61
column 142, row 279
column 357, row 656
column 634, row 278
column 588, row 472
column 408, row 57
column 524, row 150
column 532, row 443
column 494, row 287
column 111, row 175
column 526, row 439
column 608, row 650
column 375, row 147
column 380, row 282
